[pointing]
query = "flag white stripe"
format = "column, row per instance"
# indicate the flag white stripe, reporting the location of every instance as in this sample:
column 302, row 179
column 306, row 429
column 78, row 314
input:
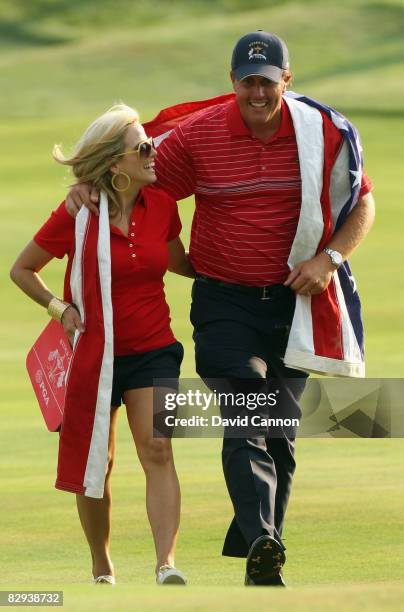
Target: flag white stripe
column 97, row 461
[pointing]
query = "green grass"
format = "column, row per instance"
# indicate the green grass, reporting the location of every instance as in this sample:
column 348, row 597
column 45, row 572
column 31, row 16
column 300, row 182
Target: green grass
column 350, row 53
column 61, row 64
column 311, row 598
column 342, row 544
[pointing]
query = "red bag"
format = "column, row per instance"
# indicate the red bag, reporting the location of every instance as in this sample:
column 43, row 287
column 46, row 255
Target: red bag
column 47, row 364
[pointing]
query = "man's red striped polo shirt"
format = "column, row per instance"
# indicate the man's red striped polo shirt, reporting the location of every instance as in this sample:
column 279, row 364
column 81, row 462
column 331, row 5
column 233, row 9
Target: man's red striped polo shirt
column 247, row 192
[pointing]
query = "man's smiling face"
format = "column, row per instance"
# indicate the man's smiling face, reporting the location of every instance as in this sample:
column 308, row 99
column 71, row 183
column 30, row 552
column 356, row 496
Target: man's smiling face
column 259, row 98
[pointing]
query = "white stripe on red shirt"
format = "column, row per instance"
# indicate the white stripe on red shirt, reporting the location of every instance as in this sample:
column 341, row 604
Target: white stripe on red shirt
column 247, row 192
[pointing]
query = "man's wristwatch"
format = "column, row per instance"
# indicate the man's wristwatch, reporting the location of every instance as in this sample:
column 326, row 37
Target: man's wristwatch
column 335, row 256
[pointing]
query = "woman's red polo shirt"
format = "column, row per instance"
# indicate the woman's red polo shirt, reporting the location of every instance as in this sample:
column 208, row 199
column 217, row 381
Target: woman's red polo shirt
column 138, row 263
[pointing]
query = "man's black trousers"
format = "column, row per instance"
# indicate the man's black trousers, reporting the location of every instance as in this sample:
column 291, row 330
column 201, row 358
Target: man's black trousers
column 240, row 340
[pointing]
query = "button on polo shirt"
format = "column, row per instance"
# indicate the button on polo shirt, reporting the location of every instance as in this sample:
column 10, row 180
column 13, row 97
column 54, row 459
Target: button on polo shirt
column 138, row 263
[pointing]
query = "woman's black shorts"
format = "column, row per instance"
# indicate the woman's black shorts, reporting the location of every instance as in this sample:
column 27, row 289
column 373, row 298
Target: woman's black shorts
column 142, row 369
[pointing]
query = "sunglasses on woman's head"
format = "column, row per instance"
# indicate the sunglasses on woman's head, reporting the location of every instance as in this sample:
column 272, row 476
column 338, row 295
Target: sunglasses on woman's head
column 143, row 149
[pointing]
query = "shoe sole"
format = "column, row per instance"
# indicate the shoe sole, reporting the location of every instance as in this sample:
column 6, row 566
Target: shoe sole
column 265, row 560
column 173, row 580
column 172, row 576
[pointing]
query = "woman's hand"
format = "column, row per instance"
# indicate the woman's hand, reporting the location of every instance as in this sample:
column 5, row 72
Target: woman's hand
column 178, row 259
column 71, row 321
column 25, row 274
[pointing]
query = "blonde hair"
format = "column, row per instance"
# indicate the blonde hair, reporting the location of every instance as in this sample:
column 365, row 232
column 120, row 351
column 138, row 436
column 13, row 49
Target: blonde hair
column 92, row 156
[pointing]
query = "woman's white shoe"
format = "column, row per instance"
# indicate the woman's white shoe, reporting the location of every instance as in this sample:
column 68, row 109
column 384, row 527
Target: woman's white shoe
column 170, row 575
column 104, row 580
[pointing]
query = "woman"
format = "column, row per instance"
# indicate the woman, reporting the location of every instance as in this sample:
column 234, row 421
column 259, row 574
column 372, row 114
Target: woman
column 143, row 235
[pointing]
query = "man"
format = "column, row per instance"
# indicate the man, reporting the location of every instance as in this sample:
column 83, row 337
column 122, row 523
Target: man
column 271, row 228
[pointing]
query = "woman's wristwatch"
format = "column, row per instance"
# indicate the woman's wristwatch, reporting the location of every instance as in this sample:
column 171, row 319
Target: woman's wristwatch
column 335, row 256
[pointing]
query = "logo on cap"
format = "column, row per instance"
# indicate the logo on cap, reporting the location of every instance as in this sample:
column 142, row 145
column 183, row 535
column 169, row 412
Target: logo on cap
column 255, row 51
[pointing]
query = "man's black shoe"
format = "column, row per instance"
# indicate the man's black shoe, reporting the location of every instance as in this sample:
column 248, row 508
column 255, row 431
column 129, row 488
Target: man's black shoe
column 264, row 563
column 278, row 581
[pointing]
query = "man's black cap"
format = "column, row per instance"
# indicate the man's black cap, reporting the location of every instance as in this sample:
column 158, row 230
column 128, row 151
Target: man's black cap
column 260, row 53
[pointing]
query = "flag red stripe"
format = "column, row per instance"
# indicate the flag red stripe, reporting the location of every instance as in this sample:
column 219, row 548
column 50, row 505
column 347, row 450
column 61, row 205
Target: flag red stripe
column 82, row 385
column 168, row 118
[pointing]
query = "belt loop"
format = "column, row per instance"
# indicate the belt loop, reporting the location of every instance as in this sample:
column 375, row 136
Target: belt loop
column 265, row 294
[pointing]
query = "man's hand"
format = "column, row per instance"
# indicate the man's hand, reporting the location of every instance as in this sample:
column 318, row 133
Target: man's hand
column 312, row 276
column 82, row 193
column 71, row 321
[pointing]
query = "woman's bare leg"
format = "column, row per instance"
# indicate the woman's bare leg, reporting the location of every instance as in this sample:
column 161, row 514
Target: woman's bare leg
column 95, row 514
column 163, row 499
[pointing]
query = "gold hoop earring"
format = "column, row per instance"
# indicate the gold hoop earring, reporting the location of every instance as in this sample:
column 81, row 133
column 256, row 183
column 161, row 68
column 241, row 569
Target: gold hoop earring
column 116, row 176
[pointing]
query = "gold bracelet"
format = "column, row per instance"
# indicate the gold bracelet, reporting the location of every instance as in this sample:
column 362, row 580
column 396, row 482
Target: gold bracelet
column 56, row 308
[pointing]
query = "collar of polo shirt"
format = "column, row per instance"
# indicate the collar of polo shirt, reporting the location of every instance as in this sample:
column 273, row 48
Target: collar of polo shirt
column 237, row 127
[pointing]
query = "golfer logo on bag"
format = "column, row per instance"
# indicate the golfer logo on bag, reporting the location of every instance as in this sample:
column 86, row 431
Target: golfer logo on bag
column 56, row 368
column 47, row 365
